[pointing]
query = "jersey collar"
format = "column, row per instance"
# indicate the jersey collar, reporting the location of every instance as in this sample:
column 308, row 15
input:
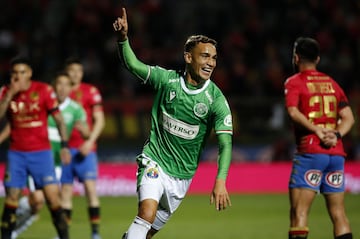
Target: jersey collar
column 193, row 92
column 65, row 103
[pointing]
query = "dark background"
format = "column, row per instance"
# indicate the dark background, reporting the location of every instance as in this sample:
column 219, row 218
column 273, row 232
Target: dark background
column 255, row 40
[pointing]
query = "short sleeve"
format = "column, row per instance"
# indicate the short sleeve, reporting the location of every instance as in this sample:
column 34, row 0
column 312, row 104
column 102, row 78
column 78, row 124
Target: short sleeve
column 222, row 116
column 291, row 92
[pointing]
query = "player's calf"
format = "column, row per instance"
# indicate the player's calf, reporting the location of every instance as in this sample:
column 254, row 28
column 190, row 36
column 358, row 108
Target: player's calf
column 60, row 223
column 8, row 220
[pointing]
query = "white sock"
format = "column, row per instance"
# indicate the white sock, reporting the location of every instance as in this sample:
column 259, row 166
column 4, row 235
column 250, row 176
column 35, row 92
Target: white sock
column 138, row 229
column 24, row 205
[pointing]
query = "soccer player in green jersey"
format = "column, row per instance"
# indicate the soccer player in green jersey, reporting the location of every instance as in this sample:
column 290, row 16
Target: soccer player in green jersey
column 187, row 107
column 73, row 113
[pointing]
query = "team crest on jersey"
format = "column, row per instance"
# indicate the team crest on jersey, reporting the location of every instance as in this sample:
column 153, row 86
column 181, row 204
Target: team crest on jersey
column 78, row 96
column 335, row 178
column 200, row 110
column 152, row 173
column 228, row 121
column 313, row 177
column 34, row 96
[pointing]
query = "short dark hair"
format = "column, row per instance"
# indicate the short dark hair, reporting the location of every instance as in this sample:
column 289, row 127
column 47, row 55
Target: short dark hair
column 72, row 60
column 307, row 48
column 20, row 60
column 193, row 40
column 59, row 74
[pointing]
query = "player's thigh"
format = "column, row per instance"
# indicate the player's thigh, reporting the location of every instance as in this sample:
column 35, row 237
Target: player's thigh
column 52, row 195
column 36, row 200
column 91, row 194
column 301, row 198
column 149, row 180
column 41, row 167
column 66, row 195
column 335, row 203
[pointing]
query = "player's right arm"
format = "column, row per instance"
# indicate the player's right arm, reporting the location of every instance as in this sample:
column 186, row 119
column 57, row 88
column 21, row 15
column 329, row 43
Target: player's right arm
column 126, row 54
column 300, row 119
column 7, row 94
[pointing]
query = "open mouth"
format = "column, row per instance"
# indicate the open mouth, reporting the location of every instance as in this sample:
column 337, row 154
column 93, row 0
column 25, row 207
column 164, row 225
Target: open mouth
column 206, row 70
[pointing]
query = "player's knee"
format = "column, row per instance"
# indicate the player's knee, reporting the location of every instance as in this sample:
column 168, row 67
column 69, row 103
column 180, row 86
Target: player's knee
column 147, row 210
column 12, row 195
column 36, row 201
column 147, row 215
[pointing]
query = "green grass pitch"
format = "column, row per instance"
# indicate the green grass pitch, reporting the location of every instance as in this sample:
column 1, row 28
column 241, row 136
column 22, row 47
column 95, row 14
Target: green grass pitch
column 250, row 217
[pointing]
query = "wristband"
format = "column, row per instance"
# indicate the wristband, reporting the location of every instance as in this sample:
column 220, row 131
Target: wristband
column 64, row 144
column 338, row 135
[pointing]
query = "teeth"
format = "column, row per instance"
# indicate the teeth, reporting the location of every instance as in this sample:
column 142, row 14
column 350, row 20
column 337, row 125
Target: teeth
column 207, row 70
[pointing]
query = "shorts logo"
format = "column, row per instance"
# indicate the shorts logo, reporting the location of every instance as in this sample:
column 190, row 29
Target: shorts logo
column 48, row 179
column 313, row 177
column 200, row 110
column 152, row 173
column 335, row 178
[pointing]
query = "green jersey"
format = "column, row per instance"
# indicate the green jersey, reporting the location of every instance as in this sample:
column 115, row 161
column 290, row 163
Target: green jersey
column 72, row 112
column 182, row 118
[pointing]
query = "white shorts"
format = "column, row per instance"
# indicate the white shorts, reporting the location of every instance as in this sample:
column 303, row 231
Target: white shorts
column 154, row 183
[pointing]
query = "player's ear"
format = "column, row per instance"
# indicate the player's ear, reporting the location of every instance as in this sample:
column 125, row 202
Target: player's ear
column 317, row 60
column 187, row 57
column 295, row 59
column 29, row 73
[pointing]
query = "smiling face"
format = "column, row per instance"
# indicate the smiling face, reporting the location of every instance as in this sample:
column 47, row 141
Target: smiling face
column 200, row 62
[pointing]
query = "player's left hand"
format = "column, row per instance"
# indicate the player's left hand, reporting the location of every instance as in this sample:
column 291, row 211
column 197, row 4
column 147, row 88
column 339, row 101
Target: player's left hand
column 219, row 195
column 65, row 155
column 86, row 147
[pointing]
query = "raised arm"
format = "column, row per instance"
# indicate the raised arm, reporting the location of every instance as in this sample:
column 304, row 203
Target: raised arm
column 126, row 54
column 121, row 26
